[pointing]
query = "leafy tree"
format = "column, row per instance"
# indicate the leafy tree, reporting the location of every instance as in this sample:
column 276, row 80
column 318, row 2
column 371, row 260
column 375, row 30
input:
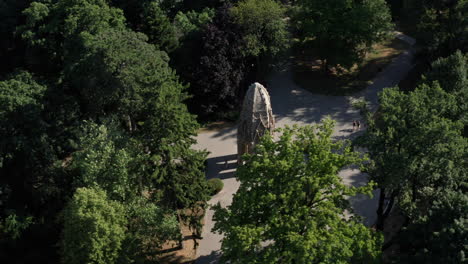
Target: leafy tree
column 101, row 163
column 32, row 181
column 264, row 28
column 441, row 26
column 450, row 72
column 127, row 70
column 440, row 235
column 219, row 83
column 186, row 23
column 290, row 207
column 14, row 225
column 25, row 153
column 452, row 75
column 11, row 49
column 136, row 84
column 159, row 29
column 343, row 30
column 94, row 228
column 52, row 29
column 404, row 165
column 149, row 228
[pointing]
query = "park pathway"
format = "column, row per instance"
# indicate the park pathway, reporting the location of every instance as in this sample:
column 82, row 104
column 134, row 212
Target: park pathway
column 294, row 105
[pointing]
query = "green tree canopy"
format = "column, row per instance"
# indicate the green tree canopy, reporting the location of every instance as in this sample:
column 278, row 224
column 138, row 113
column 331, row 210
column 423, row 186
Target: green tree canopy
column 186, row 23
column 102, row 163
column 159, row 29
column 342, row 31
column 439, row 235
column 94, row 228
column 263, row 25
column 53, row 29
column 452, row 75
column 149, row 227
column 218, row 82
column 291, row 205
column 441, row 26
column 403, row 163
column 23, row 139
column 120, row 74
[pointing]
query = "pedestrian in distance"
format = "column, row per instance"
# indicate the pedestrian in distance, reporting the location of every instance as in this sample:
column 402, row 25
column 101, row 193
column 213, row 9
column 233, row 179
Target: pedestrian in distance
column 358, row 124
column 354, row 125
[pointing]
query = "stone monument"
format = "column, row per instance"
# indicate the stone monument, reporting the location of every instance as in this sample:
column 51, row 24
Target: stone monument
column 256, row 119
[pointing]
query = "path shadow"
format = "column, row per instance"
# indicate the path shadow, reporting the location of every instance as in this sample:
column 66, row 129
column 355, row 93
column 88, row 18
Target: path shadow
column 365, row 207
column 349, row 130
column 362, row 205
column 222, row 167
column 226, row 133
column 209, row 259
column 291, row 103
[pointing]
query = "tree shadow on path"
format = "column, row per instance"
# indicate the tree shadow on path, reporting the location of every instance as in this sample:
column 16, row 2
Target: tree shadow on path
column 222, row 167
column 209, row 259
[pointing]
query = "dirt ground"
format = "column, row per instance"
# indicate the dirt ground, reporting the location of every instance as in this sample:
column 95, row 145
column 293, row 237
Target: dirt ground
column 174, row 254
column 215, row 126
column 309, row 75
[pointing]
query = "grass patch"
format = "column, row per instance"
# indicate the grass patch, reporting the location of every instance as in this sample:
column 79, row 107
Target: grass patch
column 215, row 126
column 218, row 122
column 308, row 74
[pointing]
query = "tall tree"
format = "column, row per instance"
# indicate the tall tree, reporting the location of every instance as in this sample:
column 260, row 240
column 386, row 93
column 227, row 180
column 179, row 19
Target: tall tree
column 108, row 159
column 149, row 227
column 52, row 29
column 126, row 70
column 452, row 75
column 219, row 84
column 120, row 74
column 11, row 47
column 403, row 164
column 264, row 30
column 25, row 151
column 158, row 27
column 102, row 162
column 441, row 26
column 291, row 204
column 94, row 228
column 343, row 30
column 440, row 234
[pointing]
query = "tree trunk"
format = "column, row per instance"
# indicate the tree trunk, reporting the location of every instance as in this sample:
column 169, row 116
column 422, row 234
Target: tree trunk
column 325, row 66
column 129, row 123
column 179, row 217
column 380, row 211
column 390, row 205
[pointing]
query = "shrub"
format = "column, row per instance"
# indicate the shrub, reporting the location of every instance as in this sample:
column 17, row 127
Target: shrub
column 215, row 185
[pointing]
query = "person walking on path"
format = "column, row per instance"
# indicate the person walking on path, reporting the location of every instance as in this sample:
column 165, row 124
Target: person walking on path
column 358, row 124
column 354, row 125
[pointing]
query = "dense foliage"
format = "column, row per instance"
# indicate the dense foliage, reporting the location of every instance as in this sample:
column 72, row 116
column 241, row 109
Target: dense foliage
column 420, row 163
column 94, row 228
column 342, row 31
column 99, row 101
column 102, row 110
column 291, row 204
column 440, row 25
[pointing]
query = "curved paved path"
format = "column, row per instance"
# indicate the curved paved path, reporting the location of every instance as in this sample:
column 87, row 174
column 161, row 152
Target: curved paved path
column 294, row 105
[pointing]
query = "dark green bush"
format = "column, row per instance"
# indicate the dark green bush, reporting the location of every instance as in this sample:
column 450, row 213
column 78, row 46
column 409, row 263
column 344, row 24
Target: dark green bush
column 215, row 185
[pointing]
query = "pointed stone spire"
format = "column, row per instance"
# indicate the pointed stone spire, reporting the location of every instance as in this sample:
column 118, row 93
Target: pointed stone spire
column 256, row 119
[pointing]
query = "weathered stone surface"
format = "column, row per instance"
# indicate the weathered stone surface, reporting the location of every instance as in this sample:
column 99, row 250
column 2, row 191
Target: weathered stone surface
column 256, row 119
